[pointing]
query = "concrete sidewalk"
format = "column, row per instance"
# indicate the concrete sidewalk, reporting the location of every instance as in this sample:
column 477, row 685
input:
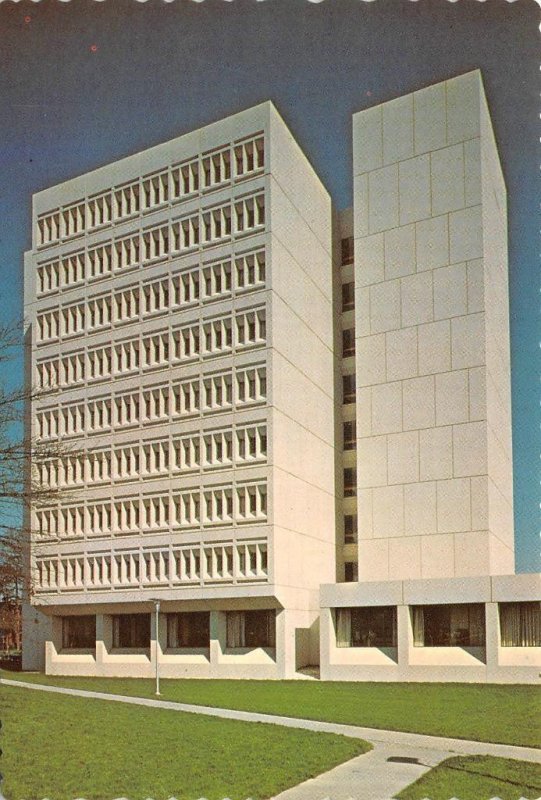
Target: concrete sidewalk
column 371, row 776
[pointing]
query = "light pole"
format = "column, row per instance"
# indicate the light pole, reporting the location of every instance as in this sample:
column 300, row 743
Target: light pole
column 157, row 664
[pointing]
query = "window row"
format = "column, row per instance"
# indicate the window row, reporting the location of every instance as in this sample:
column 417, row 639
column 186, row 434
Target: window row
column 219, row 336
column 131, row 304
column 221, row 505
column 145, row 194
column 185, row 630
column 221, row 448
column 452, row 625
column 178, row 565
column 203, row 228
column 201, row 395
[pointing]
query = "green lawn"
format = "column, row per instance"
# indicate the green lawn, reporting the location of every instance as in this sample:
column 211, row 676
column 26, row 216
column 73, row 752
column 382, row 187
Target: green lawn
column 63, row 747
column 484, row 713
column 477, row 778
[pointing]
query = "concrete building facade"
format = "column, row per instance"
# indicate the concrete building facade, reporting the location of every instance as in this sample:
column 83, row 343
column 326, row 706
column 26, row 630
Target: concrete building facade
column 273, row 417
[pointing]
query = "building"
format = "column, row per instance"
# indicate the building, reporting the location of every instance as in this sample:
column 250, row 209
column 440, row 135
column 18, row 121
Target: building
column 281, row 417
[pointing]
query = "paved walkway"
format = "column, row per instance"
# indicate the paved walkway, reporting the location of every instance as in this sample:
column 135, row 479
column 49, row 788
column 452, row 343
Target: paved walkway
column 371, row 776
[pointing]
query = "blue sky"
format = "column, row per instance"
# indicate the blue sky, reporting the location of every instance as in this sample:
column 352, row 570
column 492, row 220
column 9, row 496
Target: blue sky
column 84, row 83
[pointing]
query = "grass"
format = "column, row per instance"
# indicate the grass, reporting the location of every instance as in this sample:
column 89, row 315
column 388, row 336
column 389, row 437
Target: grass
column 62, row 747
column 477, row 778
column 484, row 713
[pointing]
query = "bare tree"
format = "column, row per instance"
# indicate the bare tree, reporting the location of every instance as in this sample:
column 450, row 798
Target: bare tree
column 22, row 486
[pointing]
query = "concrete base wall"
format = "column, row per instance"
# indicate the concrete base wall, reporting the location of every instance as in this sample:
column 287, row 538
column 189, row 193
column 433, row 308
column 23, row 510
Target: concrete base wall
column 294, row 649
column 407, row 662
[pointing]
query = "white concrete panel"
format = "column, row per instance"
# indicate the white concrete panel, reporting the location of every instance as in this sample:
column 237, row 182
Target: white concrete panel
column 477, row 393
column 447, row 179
column 374, row 564
column 434, row 347
column 398, row 129
column 417, row 299
column 302, row 452
column 454, row 505
column 420, row 508
column 448, row 590
column 463, row 106
column 364, row 514
column 437, row 556
column 469, row 449
column 452, row 397
column 472, row 553
column 465, row 234
column 436, row 453
column 401, row 354
column 450, row 291
column 370, row 360
column 387, row 408
column 293, row 282
column 369, row 260
column 388, row 511
column 414, row 189
column 298, row 180
column 523, row 587
column 371, row 593
column 299, row 237
column 385, row 306
column 430, row 118
column 476, row 286
column 360, row 205
column 405, row 558
column 418, row 403
column 372, row 462
column 399, row 252
column 383, row 199
column 362, row 311
column 432, row 240
column 364, row 412
column 472, row 172
column 479, row 503
column 468, row 341
column 367, row 140
column 403, row 457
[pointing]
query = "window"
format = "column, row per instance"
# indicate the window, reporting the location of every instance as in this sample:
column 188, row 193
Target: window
column 366, row 627
column 350, row 528
column 348, row 296
column 348, row 385
column 520, row 624
column 449, row 625
column 348, row 342
column 347, row 250
column 78, row 633
column 351, row 571
column 251, row 629
column 188, row 629
column 131, row 630
column 250, row 270
column 350, row 481
column 350, row 435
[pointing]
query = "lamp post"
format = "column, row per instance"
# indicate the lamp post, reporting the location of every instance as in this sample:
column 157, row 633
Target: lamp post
column 157, row 664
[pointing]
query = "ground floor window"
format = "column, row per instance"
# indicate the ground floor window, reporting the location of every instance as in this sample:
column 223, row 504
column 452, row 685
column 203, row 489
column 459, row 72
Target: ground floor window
column 366, row 627
column 188, row 629
column 131, row 630
column 78, row 633
column 520, row 624
column 457, row 625
column 251, row 628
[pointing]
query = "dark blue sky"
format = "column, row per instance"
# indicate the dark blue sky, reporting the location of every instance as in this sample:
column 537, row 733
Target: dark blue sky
column 84, row 83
